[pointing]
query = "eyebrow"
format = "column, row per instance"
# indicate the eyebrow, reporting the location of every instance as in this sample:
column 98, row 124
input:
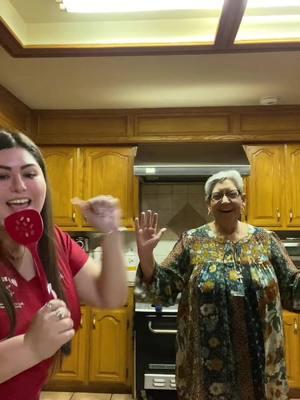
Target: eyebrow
column 23, row 166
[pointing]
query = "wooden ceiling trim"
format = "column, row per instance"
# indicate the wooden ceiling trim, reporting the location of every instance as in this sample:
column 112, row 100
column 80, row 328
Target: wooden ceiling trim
column 231, row 17
column 230, row 20
column 9, row 41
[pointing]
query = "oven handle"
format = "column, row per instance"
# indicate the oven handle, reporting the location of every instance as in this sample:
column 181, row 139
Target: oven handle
column 161, row 331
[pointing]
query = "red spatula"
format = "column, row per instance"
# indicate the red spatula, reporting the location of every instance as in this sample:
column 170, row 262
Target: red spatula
column 26, row 227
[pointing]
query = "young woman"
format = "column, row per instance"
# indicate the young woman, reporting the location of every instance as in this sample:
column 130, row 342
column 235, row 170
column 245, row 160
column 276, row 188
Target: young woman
column 234, row 279
column 34, row 328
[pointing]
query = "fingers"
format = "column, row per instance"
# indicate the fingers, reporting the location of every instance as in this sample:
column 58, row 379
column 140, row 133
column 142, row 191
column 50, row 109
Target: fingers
column 54, row 304
column 95, row 204
column 161, row 232
column 155, row 221
column 57, row 311
column 137, row 224
column 148, row 219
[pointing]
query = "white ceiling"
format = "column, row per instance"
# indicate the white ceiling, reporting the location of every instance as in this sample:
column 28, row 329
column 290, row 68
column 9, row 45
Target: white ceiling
column 146, row 81
column 152, row 81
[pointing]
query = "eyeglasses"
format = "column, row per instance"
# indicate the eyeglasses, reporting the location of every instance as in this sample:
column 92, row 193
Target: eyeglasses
column 218, row 196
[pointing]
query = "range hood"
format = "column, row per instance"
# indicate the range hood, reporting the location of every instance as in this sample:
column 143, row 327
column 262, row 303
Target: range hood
column 188, row 161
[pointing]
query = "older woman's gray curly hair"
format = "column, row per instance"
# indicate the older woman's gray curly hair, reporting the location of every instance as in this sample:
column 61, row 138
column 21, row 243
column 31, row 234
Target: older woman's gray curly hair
column 221, row 176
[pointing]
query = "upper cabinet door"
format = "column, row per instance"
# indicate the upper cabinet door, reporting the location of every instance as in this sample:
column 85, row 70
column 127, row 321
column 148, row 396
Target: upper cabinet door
column 292, row 181
column 64, row 176
column 265, row 195
column 109, row 171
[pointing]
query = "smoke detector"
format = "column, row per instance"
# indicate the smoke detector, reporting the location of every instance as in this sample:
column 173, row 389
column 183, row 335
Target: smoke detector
column 269, row 101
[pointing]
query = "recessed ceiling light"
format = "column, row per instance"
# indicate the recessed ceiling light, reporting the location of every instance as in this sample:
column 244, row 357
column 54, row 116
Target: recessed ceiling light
column 113, row 6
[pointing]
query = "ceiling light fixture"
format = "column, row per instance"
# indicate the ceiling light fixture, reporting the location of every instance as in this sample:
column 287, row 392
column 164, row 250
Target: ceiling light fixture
column 117, row 6
column 272, row 3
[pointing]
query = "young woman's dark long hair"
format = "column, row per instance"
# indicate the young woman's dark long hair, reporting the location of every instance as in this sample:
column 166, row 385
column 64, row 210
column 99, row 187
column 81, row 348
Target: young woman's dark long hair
column 47, row 247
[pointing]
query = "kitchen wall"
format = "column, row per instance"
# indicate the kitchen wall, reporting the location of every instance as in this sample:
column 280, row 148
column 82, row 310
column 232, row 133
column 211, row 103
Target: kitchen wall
column 180, row 206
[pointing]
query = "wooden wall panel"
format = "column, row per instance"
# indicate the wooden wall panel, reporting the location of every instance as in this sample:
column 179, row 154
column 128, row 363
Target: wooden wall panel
column 81, row 127
column 182, row 124
column 14, row 114
column 281, row 121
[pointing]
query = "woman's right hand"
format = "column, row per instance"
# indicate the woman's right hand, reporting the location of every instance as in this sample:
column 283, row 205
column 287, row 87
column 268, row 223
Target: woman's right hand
column 51, row 327
column 147, row 233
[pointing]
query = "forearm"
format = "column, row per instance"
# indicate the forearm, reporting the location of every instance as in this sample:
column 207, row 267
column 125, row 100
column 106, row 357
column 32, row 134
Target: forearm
column 16, row 356
column 147, row 263
column 112, row 283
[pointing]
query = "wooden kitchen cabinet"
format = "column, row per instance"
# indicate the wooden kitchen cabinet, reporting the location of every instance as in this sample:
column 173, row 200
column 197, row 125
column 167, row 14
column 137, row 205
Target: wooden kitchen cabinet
column 109, row 171
column 73, row 368
column 102, row 352
column 273, row 188
column 292, row 348
column 87, row 172
column 292, row 185
column 64, row 171
column 108, row 351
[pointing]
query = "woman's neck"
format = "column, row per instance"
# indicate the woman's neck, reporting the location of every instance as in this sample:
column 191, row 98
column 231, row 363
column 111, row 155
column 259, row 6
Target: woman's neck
column 10, row 250
column 232, row 231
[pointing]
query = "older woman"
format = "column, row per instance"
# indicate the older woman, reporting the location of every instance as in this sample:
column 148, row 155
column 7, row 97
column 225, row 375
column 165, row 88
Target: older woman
column 234, row 279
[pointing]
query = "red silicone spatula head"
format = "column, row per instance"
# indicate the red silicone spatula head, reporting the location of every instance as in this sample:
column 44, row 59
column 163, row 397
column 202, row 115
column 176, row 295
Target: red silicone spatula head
column 25, row 226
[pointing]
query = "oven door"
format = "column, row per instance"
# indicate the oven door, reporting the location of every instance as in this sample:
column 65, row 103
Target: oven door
column 292, row 246
column 155, row 354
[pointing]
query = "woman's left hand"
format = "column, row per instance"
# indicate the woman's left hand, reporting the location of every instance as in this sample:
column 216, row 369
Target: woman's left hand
column 102, row 212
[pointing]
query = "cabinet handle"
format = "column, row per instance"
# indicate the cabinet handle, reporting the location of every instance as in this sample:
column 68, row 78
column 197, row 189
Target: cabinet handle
column 278, row 214
column 81, row 322
column 94, row 321
column 291, row 215
column 73, row 216
column 295, row 326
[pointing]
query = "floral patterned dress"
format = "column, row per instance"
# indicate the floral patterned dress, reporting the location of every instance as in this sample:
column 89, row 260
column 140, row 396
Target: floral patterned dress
column 230, row 343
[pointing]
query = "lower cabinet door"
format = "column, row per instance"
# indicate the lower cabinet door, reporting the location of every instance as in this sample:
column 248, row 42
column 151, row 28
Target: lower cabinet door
column 292, row 348
column 108, row 346
column 74, row 366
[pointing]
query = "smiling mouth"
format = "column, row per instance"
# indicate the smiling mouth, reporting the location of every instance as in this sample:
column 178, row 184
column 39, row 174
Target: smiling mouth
column 18, row 203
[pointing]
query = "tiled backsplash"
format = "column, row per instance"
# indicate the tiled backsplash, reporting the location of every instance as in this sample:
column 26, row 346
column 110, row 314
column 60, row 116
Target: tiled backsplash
column 180, row 207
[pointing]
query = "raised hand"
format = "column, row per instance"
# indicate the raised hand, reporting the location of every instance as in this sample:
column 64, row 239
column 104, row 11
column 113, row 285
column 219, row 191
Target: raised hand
column 147, row 233
column 102, row 212
column 50, row 329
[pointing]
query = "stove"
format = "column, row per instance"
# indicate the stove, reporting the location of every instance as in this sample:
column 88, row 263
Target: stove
column 155, row 351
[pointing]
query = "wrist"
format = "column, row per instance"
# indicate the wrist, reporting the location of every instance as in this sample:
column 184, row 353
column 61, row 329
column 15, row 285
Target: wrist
column 31, row 351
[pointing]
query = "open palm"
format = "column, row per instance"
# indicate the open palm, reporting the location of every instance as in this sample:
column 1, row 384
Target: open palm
column 147, row 233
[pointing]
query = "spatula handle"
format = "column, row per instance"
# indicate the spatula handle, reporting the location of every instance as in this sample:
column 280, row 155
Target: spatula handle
column 66, row 348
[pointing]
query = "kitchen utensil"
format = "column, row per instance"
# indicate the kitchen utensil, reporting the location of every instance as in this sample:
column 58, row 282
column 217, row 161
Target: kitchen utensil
column 26, row 227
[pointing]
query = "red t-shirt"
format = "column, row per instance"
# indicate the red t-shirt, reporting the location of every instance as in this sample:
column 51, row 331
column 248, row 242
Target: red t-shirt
column 28, row 299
